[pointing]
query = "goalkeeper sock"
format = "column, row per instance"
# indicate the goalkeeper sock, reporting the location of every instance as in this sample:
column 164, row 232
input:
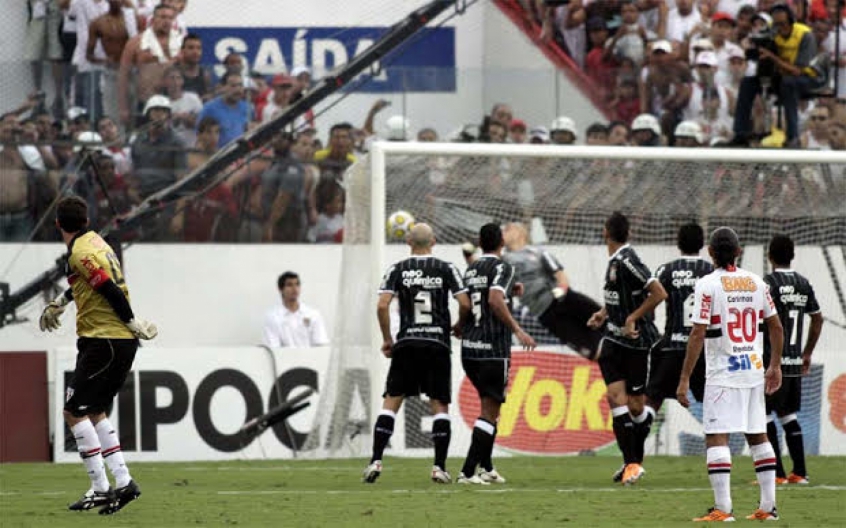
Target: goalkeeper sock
column 88, row 446
column 795, row 444
column 719, row 473
column 481, row 445
column 441, row 432
column 112, row 454
column 382, row 432
column 764, row 458
column 772, row 436
column 643, row 424
column 487, row 460
column 624, row 431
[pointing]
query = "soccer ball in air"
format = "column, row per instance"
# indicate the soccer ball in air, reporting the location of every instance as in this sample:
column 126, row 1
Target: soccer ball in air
column 399, row 224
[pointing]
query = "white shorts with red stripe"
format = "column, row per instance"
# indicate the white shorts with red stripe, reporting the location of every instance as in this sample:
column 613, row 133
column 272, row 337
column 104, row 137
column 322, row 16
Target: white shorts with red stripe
column 734, row 410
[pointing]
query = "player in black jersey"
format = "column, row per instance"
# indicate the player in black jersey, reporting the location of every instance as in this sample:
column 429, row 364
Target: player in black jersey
column 678, row 278
column 631, row 295
column 794, row 298
column 420, row 358
column 486, row 348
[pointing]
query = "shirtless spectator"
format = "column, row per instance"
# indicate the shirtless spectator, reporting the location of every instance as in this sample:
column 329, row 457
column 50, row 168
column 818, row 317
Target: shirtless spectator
column 114, row 145
column 197, row 78
column 16, row 221
column 87, row 79
column 107, row 38
column 666, row 89
column 185, row 106
column 149, row 54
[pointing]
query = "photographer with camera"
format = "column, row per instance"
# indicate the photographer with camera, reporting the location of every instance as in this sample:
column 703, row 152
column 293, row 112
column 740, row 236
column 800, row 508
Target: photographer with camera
column 783, row 63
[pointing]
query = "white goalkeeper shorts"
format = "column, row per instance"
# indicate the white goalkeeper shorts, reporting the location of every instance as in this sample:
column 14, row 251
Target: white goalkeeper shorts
column 734, row 410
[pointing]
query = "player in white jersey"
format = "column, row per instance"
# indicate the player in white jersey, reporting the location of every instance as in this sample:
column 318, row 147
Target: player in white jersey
column 731, row 306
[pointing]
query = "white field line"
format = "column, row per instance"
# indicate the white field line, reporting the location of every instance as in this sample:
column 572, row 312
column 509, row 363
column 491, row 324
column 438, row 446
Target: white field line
column 463, row 489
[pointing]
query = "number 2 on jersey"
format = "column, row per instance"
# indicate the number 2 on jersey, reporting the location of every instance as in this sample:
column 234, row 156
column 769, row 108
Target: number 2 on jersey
column 476, row 299
column 423, row 308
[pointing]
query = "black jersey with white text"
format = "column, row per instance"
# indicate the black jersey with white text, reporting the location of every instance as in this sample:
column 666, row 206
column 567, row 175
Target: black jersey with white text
column 679, row 277
column 484, row 336
column 626, row 280
column 422, row 285
column 794, row 298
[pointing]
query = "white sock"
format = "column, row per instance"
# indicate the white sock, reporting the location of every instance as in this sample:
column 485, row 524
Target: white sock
column 719, row 473
column 88, row 446
column 112, row 453
column 765, row 467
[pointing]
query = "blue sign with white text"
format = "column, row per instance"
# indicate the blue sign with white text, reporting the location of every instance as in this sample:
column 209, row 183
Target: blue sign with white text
column 426, row 63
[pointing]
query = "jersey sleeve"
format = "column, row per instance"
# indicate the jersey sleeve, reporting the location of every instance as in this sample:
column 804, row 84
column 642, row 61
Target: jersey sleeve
column 389, row 280
column 87, row 268
column 662, row 275
column 503, row 274
column 769, row 306
column 637, row 274
column 550, row 263
column 703, row 303
column 455, row 282
column 812, row 306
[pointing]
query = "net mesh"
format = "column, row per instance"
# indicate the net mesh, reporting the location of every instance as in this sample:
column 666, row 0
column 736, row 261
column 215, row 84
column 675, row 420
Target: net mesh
column 556, row 399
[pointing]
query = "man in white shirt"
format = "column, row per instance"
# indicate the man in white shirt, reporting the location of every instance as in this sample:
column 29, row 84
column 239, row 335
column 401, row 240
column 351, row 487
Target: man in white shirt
column 681, row 20
column 293, row 324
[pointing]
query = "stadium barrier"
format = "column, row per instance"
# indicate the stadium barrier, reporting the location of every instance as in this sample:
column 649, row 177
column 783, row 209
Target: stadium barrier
column 184, row 404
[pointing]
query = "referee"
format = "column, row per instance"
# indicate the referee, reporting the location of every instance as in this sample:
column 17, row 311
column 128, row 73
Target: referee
column 548, row 295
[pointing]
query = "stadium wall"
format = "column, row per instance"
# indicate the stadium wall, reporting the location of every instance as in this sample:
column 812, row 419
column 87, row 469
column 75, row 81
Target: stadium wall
column 451, row 75
column 210, row 300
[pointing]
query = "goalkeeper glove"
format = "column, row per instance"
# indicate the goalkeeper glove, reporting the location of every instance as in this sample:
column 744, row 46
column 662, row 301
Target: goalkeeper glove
column 559, row 292
column 142, row 329
column 50, row 317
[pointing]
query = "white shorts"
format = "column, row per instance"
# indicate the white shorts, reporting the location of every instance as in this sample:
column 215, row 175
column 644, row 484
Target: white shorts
column 734, row 410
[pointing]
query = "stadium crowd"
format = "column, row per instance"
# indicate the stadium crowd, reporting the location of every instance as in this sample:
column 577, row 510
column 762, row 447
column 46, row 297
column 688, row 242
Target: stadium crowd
column 136, row 111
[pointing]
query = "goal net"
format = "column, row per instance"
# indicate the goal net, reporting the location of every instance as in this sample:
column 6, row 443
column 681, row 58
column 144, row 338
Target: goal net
column 563, row 195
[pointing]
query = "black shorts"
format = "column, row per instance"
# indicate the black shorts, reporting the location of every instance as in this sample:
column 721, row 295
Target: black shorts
column 420, row 367
column 101, row 368
column 567, row 319
column 788, row 398
column 619, row 362
column 489, row 376
column 665, row 366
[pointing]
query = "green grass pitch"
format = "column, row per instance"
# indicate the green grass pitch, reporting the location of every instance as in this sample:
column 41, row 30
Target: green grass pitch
column 574, row 491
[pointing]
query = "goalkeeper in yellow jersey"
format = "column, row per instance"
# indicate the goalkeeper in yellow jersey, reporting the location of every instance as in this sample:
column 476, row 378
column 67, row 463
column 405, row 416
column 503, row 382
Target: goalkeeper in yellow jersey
column 108, row 339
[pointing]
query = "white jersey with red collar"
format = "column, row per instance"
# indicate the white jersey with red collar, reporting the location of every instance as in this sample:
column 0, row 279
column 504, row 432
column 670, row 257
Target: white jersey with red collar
column 733, row 303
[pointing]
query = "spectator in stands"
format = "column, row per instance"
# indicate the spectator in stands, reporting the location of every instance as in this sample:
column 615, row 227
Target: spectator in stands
column 744, row 22
column 713, row 117
column 567, row 23
column 41, row 44
column 185, row 106
column 706, row 83
column 158, row 155
column 689, row 134
column 302, row 76
column 263, row 93
column 149, row 54
column 517, row 132
column 78, row 120
column 108, row 35
column 303, row 151
column 502, row 113
column 737, row 71
column 197, row 79
column 600, row 67
column 618, row 134
column 285, row 194
column 626, row 102
column 114, row 146
column 646, row 131
column 722, row 36
column 427, row 135
column 293, row 324
column 335, row 159
column 497, row 132
column 666, row 86
column 630, row 39
column 329, row 228
column 229, row 109
column 16, row 221
column 180, row 27
column 30, row 139
column 796, row 47
column 563, row 131
column 121, row 197
column 283, row 90
column 596, row 134
column 837, row 135
column 681, row 20
column 539, row 135
column 816, row 137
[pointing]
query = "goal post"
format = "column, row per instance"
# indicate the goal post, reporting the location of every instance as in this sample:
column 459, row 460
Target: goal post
column 564, row 193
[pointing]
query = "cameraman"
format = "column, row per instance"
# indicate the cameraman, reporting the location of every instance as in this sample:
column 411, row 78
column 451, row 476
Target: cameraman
column 795, row 47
